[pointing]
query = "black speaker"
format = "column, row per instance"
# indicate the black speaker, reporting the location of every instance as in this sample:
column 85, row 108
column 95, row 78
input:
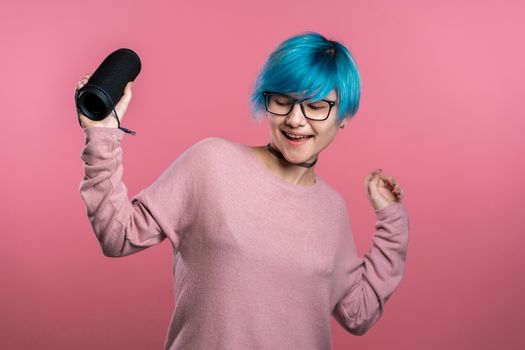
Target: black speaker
column 106, row 85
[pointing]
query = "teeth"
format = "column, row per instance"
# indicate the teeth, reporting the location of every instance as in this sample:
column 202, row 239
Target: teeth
column 297, row 137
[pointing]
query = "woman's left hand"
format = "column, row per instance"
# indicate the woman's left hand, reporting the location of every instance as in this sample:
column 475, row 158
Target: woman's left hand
column 382, row 190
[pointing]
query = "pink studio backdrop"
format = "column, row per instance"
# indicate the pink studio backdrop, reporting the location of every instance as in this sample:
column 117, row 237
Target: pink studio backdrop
column 442, row 111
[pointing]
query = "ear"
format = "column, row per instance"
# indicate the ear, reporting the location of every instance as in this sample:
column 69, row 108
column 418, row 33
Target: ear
column 343, row 122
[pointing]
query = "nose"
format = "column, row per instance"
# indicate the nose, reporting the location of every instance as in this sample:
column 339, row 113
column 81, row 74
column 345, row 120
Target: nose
column 296, row 117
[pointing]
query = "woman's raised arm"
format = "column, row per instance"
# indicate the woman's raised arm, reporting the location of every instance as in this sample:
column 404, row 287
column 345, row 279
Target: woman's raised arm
column 123, row 226
column 368, row 282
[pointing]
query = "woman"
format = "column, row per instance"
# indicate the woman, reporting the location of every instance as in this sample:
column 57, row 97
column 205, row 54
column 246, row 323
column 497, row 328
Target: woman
column 264, row 252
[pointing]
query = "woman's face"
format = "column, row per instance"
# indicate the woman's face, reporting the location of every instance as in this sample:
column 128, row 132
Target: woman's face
column 322, row 131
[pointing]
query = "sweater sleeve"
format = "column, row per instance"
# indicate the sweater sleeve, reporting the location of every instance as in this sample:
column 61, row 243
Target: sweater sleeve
column 123, row 226
column 368, row 282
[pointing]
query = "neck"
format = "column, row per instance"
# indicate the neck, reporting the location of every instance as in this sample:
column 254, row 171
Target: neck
column 275, row 151
column 283, row 164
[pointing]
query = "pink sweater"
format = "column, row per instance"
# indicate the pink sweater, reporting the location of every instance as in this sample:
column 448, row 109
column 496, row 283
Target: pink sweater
column 260, row 263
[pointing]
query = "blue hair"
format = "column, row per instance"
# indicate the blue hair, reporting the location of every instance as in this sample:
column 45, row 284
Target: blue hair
column 308, row 65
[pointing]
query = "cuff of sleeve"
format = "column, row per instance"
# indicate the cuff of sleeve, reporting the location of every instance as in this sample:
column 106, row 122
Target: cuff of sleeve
column 102, row 132
column 100, row 143
column 389, row 210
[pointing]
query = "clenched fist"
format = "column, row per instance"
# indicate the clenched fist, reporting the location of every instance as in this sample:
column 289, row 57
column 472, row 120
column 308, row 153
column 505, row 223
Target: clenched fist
column 382, row 190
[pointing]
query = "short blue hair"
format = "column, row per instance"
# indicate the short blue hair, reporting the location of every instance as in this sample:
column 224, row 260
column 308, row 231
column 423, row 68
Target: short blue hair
column 308, row 65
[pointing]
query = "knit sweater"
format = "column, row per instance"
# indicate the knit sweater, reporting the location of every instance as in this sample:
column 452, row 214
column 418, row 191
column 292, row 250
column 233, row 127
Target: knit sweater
column 260, row 263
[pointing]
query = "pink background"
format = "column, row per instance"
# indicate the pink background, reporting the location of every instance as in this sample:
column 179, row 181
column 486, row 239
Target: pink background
column 442, row 111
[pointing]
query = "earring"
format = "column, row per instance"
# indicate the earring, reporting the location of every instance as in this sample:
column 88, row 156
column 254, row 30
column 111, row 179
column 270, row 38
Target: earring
column 342, row 126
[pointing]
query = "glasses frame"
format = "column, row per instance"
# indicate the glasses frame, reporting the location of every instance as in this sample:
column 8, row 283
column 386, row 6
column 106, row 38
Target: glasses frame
column 267, row 94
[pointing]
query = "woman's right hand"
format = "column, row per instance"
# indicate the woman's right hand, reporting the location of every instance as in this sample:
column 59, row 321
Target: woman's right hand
column 110, row 121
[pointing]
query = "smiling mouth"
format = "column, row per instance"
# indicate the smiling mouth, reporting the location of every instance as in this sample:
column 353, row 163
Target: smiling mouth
column 296, row 138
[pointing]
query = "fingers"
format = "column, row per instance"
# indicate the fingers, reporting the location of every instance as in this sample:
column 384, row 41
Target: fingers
column 390, row 182
column 399, row 192
column 386, row 181
column 393, row 186
column 83, row 81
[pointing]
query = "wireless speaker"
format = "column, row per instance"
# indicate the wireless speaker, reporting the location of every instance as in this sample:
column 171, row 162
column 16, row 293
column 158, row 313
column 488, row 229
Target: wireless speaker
column 106, row 86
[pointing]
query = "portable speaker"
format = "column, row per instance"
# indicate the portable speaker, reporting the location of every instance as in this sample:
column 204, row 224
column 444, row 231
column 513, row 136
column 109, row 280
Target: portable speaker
column 106, row 85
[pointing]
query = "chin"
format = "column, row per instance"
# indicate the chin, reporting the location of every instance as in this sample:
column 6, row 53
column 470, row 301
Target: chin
column 310, row 157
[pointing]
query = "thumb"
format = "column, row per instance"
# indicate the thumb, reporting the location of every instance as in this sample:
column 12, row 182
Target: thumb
column 370, row 181
column 127, row 92
column 374, row 185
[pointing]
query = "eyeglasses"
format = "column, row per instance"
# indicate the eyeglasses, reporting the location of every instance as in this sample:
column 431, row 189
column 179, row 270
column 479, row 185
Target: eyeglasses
column 281, row 104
